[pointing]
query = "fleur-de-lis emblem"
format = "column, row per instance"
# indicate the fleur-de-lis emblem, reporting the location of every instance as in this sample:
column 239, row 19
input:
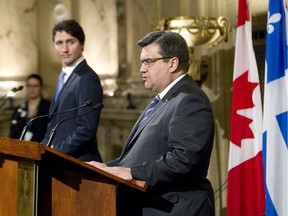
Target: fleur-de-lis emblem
column 272, row 19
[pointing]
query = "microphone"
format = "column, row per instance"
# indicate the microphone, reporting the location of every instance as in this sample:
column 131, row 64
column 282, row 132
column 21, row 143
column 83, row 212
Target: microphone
column 98, row 106
column 12, row 92
column 17, row 89
column 9, row 94
column 86, row 104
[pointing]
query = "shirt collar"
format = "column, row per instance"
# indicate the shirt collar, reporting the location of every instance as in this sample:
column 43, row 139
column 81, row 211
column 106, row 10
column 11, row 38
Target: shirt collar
column 164, row 92
column 69, row 69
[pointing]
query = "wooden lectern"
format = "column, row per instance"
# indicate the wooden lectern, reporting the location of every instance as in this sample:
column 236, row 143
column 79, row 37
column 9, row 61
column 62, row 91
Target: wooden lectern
column 38, row 180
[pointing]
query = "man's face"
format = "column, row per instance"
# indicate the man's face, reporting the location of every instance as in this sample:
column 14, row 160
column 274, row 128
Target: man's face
column 68, row 48
column 155, row 72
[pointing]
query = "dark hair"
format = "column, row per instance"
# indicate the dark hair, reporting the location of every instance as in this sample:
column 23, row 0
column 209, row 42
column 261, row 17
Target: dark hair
column 170, row 44
column 72, row 27
column 35, row 76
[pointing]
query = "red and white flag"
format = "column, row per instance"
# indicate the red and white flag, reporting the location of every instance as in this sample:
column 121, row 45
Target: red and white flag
column 245, row 194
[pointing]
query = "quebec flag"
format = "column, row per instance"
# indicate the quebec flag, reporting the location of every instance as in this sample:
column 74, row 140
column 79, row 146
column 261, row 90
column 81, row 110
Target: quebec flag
column 275, row 134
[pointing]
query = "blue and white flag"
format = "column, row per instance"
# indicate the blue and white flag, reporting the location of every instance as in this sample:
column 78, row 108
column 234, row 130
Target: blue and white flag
column 275, row 134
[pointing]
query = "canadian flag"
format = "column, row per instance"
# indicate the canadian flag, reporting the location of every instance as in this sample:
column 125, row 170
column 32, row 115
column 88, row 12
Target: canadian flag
column 245, row 194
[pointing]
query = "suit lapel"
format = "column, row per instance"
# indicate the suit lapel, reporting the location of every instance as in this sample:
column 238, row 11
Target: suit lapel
column 136, row 131
column 70, row 80
column 66, row 85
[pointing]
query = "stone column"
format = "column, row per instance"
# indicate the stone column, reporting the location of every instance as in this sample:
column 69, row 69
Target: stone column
column 18, row 56
column 138, row 22
column 18, row 41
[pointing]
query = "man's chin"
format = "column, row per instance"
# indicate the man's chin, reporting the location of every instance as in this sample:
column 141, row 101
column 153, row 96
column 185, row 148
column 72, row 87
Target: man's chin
column 147, row 86
column 66, row 63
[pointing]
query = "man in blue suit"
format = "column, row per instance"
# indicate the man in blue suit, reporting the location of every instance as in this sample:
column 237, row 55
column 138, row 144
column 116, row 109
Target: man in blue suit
column 79, row 84
column 170, row 148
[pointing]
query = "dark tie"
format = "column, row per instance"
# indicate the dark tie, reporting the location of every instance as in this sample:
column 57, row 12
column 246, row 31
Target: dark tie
column 59, row 84
column 150, row 108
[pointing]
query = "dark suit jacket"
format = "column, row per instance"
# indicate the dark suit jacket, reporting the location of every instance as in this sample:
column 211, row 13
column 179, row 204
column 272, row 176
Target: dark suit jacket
column 77, row 136
column 171, row 151
column 19, row 120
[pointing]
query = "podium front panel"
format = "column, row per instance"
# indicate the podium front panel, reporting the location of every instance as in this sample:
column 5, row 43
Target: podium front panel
column 17, row 186
column 68, row 189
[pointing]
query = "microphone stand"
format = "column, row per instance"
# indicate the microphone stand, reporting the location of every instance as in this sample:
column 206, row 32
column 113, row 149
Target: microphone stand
column 52, row 134
column 8, row 92
column 3, row 103
column 87, row 103
column 7, row 95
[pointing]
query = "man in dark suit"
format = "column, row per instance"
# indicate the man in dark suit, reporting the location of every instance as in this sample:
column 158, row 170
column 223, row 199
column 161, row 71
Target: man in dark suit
column 76, row 136
column 171, row 148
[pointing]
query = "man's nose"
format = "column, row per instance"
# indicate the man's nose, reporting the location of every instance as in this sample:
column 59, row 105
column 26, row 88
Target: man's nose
column 64, row 47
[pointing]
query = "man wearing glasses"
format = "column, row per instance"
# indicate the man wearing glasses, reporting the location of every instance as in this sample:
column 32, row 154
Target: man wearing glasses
column 170, row 147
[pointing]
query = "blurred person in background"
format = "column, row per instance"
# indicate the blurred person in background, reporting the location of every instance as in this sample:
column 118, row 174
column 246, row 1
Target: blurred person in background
column 35, row 105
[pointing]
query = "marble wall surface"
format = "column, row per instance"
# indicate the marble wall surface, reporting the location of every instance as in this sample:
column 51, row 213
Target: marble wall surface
column 19, row 42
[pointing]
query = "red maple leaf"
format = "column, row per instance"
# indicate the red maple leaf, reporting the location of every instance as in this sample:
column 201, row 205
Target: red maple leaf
column 241, row 99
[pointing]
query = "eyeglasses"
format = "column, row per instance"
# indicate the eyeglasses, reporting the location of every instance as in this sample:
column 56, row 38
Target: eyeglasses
column 149, row 62
column 32, row 86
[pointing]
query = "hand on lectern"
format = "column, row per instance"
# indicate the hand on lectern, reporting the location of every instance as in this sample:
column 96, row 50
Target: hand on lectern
column 97, row 164
column 121, row 172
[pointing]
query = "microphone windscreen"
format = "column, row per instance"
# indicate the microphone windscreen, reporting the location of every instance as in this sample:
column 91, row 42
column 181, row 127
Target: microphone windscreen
column 20, row 88
column 17, row 89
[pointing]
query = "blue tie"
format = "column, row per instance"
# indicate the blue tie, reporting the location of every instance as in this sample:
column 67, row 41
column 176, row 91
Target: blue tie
column 150, row 108
column 59, row 84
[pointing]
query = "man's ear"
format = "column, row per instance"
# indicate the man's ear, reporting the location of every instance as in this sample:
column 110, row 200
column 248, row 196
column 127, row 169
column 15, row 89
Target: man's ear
column 174, row 64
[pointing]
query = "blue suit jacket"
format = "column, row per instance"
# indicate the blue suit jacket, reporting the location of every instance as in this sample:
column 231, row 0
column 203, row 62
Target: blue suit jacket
column 77, row 137
column 171, row 151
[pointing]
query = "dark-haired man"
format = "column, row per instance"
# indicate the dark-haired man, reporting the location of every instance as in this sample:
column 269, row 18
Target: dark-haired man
column 170, row 148
column 77, row 84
